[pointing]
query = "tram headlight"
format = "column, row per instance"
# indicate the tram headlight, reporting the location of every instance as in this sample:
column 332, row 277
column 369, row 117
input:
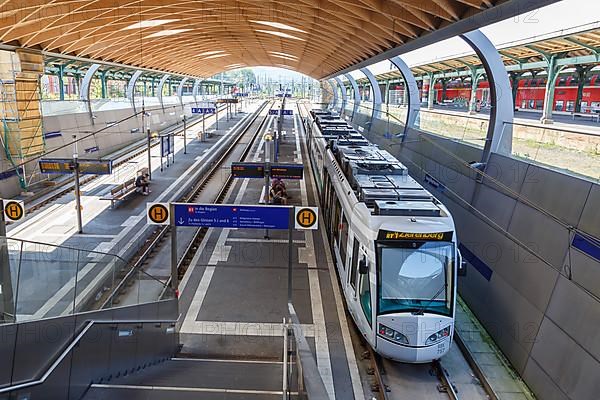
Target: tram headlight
column 438, row 336
column 392, row 335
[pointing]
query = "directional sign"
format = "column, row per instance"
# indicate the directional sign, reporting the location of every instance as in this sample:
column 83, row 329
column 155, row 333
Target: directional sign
column 66, row 166
column 231, row 216
column 287, row 171
column 234, row 100
column 306, row 217
column 247, row 170
column 165, row 145
column 276, row 111
column 157, row 213
column 273, row 111
column 14, row 210
column 203, row 110
column 288, row 112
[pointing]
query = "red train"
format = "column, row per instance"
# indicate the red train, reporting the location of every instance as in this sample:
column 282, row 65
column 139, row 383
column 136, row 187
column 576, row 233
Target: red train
column 531, row 92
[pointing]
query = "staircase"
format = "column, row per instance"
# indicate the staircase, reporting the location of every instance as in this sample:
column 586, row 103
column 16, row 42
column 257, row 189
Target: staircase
column 187, row 377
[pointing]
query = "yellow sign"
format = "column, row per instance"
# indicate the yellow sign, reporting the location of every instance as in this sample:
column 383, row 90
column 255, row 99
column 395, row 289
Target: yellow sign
column 14, row 210
column 388, row 235
column 157, row 213
column 307, row 217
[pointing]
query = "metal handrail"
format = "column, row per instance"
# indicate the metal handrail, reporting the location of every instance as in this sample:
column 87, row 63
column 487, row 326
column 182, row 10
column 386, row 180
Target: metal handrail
column 315, row 388
column 43, row 377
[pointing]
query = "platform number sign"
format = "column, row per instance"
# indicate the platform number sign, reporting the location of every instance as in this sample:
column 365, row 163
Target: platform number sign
column 14, row 210
column 157, row 213
column 306, row 217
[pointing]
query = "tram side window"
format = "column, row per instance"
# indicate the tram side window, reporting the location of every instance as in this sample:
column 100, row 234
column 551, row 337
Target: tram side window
column 365, row 296
column 344, row 240
column 336, row 219
column 354, row 268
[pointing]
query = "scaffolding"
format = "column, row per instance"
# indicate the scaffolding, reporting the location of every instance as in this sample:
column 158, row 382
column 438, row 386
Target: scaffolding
column 20, row 110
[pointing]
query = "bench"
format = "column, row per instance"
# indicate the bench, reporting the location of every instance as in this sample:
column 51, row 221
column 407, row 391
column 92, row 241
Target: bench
column 592, row 115
column 123, row 190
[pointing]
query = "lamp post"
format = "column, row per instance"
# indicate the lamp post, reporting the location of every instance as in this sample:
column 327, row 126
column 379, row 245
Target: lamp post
column 183, row 118
column 77, row 187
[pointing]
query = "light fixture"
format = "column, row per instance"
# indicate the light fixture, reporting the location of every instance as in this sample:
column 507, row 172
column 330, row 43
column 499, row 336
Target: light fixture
column 280, row 34
column 167, row 32
column 284, row 57
column 210, row 53
column 278, row 25
column 279, row 53
column 216, row 56
column 149, row 23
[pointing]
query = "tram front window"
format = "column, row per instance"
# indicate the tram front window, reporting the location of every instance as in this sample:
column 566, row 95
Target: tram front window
column 415, row 277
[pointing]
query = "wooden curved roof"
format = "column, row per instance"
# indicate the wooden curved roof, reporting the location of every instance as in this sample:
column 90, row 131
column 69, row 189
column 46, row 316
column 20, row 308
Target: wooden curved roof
column 202, row 38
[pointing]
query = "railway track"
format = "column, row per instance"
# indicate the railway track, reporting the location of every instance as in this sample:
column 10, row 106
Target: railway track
column 68, row 185
column 237, row 151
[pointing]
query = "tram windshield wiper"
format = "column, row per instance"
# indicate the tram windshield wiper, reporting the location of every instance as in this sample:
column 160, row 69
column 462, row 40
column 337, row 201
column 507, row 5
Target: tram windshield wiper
column 421, row 310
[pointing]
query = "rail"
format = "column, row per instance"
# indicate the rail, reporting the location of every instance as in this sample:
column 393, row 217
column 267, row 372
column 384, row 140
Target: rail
column 42, row 377
column 309, row 381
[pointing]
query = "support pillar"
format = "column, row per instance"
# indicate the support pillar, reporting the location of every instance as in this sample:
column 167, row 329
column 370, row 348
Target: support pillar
column 499, row 134
column 103, row 87
column 86, row 85
column 475, row 75
column 405, row 94
column 582, row 71
column 387, row 93
column 344, row 96
column 376, row 94
column 411, row 93
column 180, row 90
column 515, row 77
column 334, row 93
column 159, row 89
column 61, row 82
column 553, row 71
column 444, row 83
column 195, row 89
column 431, row 93
column 131, row 88
column 356, row 94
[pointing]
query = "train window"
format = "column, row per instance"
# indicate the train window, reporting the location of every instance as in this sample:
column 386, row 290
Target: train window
column 343, row 239
column 365, row 296
column 336, row 219
column 354, row 268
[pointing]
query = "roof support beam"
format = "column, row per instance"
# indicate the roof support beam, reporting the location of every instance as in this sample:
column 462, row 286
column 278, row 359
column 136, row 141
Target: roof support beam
column 499, row 135
column 356, row 94
column 344, row 96
column 180, row 90
column 412, row 90
column 159, row 92
column 376, row 112
column 131, row 88
column 86, row 86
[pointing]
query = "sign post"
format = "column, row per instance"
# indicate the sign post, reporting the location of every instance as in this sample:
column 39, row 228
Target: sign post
column 77, row 186
column 7, row 312
column 149, row 155
column 184, row 136
column 174, row 273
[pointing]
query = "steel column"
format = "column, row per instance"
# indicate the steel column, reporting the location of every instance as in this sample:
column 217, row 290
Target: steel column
column 335, row 94
column 131, row 88
column 499, row 135
column 195, row 90
column 86, row 86
column 61, row 82
column 180, row 90
column 411, row 93
column 356, row 94
column 431, row 92
column 344, row 96
column 376, row 112
column 553, row 71
column 159, row 92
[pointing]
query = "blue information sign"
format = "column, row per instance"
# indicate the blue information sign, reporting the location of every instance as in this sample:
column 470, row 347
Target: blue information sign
column 165, row 144
column 276, row 111
column 203, row 110
column 231, row 216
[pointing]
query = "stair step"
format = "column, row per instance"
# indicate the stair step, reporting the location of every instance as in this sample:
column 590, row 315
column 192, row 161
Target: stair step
column 197, row 378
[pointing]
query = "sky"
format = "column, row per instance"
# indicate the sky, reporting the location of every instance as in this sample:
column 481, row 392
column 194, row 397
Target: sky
column 563, row 15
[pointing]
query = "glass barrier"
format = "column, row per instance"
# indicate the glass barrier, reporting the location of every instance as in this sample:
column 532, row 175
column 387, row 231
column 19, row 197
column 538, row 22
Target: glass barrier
column 574, row 152
column 58, row 107
column 45, row 280
column 472, row 130
column 110, row 104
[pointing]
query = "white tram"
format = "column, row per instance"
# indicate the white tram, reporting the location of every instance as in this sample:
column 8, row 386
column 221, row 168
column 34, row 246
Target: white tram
column 394, row 243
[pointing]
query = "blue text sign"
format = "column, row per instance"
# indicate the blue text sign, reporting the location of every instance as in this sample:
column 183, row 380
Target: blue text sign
column 203, row 110
column 231, row 216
